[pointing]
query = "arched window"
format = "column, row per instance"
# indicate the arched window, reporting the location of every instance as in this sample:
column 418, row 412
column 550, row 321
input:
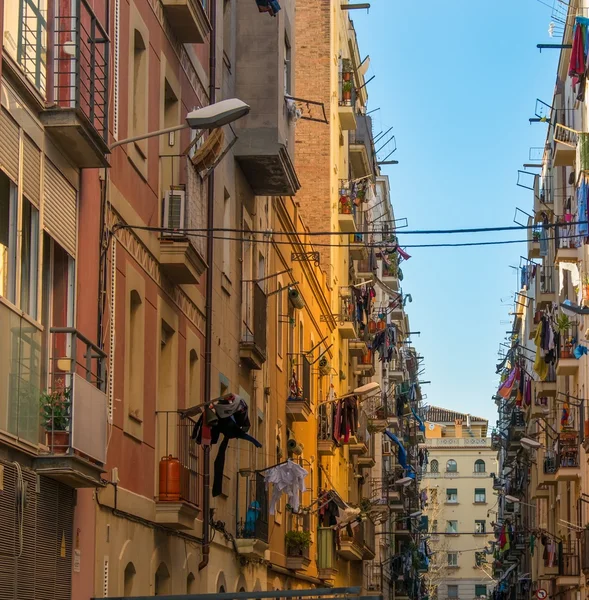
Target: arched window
column 162, row 580
column 191, row 586
column 129, row 579
column 479, row 466
column 451, row 466
column 434, row 466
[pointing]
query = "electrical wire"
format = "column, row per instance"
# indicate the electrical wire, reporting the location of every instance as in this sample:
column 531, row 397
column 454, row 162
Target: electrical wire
column 322, row 233
column 270, row 235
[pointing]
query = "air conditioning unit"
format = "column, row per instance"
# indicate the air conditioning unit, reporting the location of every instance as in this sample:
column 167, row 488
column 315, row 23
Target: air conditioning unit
column 386, row 447
column 174, row 210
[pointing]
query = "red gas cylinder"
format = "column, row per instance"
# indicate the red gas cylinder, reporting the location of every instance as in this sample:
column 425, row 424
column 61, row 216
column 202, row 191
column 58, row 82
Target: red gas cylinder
column 169, row 479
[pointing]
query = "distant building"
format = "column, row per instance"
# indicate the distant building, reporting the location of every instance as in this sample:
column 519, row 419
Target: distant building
column 461, row 503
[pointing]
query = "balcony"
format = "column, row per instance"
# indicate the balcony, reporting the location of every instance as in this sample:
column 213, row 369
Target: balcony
column 347, row 102
column 569, row 568
column 534, row 235
column 564, row 146
column 188, row 20
column 365, row 269
column 545, row 287
column 266, row 141
column 347, row 317
column 252, row 533
column 566, row 363
column 540, row 407
column 546, row 387
column 179, row 260
column 177, row 506
column 74, row 411
column 567, row 242
column 404, row 589
column 357, row 348
column 252, row 347
column 403, row 527
column 361, row 148
column 326, row 445
column 585, row 550
column 357, row 247
column 390, row 276
column 360, row 545
column 77, row 117
column 298, row 407
column 298, row 561
column 365, row 366
column 346, row 212
column 326, row 554
column 547, row 473
column 569, row 455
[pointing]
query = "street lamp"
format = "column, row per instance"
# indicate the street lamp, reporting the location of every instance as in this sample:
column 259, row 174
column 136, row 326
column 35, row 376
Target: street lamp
column 212, row 116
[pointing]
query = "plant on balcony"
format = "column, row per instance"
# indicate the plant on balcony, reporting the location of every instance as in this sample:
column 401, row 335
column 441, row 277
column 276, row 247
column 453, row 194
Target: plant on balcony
column 346, row 69
column 297, row 542
column 56, row 418
column 564, row 324
column 347, row 91
column 535, row 236
column 345, row 205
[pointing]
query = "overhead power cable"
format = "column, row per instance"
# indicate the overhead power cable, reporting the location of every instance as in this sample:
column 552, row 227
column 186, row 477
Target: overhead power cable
column 364, row 232
column 378, row 245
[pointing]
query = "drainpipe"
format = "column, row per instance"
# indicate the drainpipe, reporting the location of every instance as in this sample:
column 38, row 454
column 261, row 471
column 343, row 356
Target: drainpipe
column 206, row 479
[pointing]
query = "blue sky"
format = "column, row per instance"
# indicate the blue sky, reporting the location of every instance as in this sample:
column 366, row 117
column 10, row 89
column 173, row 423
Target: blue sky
column 458, row 80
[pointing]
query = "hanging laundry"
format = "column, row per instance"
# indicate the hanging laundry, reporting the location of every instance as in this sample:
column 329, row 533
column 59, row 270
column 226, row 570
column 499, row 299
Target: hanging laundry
column 286, row 478
column 269, row 6
column 229, row 417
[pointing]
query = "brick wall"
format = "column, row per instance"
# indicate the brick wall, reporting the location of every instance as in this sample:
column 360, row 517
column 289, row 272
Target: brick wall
column 312, row 145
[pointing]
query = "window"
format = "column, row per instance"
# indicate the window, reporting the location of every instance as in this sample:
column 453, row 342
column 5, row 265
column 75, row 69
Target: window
column 135, row 356
column 287, row 66
column 451, row 495
column 29, row 259
column 191, row 587
column 480, row 495
column 451, row 526
column 480, row 526
column 479, row 467
column 140, row 91
column 129, row 580
column 433, row 494
column 25, row 38
column 480, row 590
column 7, row 238
column 227, row 235
column 162, row 581
column 435, row 526
column 451, row 466
column 453, row 562
column 193, row 378
column 434, row 466
column 281, row 297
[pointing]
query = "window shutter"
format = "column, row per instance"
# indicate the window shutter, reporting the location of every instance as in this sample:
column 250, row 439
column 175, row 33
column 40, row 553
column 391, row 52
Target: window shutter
column 60, row 209
column 32, row 172
column 9, row 145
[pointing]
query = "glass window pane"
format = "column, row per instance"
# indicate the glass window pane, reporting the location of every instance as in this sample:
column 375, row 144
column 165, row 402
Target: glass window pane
column 29, row 259
column 7, row 238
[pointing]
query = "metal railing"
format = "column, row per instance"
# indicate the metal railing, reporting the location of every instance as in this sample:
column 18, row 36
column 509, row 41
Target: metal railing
column 569, row 558
column 324, row 428
column 74, row 408
column 175, row 440
column 585, row 549
column 299, row 383
column 255, row 313
column 546, row 280
column 348, row 310
column 81, row 66
column 545, row 194
column 566, row 235
column 569, row 450
column 255, row 523
column 568, row 340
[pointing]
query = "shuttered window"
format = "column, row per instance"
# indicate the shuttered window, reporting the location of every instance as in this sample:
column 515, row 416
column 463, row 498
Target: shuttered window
column 9, row 145
column 43, row 570
column 32, row 172
column 60, row 209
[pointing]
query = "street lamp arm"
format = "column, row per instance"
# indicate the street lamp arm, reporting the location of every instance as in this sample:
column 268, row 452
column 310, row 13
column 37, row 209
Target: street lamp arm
column 145, row 136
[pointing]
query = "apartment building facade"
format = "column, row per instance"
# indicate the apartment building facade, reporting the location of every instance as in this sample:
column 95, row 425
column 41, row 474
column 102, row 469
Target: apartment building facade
column 461, row 504
column 121, row 310
column 542, row 427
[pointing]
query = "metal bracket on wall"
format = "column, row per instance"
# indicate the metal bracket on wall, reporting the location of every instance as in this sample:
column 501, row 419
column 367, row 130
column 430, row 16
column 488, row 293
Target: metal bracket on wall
column 306, row 256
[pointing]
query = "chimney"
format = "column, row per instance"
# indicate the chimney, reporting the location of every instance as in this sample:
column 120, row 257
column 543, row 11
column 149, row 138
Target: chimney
column 458, row 428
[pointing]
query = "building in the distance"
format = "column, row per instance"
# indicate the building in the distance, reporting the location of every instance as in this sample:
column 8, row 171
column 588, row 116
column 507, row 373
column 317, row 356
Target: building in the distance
column 461, row 503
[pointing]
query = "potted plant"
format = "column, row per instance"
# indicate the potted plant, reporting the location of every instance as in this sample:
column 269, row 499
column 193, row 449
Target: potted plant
column 563, row 324
column 56, row 419
column 297, row 543
column 347, row 92
column 535, row 236
column 346, row 69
